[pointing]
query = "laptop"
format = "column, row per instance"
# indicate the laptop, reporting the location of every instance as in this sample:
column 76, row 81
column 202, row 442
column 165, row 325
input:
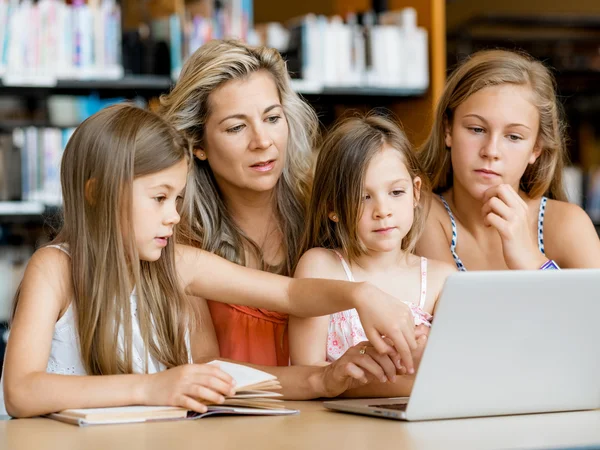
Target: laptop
column 504, row 342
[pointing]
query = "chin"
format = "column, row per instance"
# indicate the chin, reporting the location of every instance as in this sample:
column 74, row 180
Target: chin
column 150, row 258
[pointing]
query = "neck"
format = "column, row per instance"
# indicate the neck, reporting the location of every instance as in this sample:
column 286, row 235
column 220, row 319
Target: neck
column 249, row 209
column 373, row 262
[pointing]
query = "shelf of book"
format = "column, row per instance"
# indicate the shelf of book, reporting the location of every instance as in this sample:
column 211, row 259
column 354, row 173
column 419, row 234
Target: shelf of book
column 136, row 84
column 160, row 84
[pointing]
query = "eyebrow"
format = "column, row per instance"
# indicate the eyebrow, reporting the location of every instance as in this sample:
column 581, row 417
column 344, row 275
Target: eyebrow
column 166, row 186
column 243, row 116
column 508, row 126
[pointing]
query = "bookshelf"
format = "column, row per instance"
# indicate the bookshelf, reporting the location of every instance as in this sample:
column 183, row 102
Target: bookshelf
column 25, row 224
column 415, row 109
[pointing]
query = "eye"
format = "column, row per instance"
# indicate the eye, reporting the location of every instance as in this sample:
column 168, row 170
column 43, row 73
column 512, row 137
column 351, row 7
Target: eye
column 476, row 130
column 160, row 198
column 235, row 129
column 514, row 137
column 179, row 200
column 273, row 119
column 366, row 197
column 398, row 192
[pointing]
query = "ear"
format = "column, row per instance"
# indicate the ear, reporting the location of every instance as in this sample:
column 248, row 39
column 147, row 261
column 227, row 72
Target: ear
column 200, row 153
column 416, row 191
column 537, row 151
column 90, row 191
column 333, row 217
column 447, row 133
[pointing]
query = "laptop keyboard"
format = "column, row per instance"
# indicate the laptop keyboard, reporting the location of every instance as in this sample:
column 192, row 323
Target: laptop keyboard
column 394, row 406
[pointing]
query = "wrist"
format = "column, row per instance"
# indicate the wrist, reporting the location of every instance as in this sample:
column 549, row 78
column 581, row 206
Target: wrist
column 316, row 382
column 140, row 388
column 360, row 292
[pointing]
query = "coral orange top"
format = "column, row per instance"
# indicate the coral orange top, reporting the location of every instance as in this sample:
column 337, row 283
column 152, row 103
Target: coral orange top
column 251, row 335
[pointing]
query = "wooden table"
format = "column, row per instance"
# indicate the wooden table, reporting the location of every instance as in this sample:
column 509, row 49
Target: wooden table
column 314, row 428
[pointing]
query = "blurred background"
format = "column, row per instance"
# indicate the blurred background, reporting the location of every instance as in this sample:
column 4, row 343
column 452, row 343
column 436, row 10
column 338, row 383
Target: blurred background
column 61, row 61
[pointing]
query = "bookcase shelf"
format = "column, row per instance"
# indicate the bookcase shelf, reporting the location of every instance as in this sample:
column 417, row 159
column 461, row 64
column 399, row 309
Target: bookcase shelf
column 143, row 85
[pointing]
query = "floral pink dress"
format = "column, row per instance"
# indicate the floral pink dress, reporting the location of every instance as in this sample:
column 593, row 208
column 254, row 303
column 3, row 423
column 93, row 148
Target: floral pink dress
column 345, row 329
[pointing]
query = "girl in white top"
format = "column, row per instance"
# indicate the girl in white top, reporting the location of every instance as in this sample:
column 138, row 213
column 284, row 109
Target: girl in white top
column 107, row 300
column 367, row 209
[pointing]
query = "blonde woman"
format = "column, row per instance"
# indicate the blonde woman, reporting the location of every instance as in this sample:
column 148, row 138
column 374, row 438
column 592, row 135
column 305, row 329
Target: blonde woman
column 253, row 139
column 495, row 155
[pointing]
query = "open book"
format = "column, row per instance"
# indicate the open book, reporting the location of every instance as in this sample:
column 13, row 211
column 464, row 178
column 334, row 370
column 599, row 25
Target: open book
column 253, row 396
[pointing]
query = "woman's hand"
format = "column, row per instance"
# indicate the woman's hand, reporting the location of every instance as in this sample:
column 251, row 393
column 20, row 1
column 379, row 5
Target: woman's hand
column 191, row 386
column 360, row 365
column 506, row 211
column 382, row 316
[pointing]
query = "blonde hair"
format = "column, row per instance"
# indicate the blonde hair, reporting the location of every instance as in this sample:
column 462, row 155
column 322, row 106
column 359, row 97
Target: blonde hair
column 187, row 107
column 339, row 180
column 492, row 68
column 105, row 154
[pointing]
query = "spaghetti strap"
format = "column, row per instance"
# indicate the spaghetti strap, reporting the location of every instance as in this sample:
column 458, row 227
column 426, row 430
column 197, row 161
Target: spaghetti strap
column 459, row 264
column 345, row 266
column 423, row 282
column 61, row 247
column 541, row 214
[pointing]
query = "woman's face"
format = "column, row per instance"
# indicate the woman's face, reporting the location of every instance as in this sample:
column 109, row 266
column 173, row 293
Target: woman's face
column 246, row 135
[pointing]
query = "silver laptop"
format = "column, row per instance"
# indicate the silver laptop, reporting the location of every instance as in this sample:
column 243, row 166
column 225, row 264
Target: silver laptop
column 505, row 342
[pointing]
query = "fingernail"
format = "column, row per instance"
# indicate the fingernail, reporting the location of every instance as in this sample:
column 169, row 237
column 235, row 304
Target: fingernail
column 384, row 379
column 394, row 378
column 411, row 371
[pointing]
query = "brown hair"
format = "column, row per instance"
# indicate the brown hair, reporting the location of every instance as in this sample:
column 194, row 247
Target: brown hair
column 339, row 179
column 187, row 107
column 492, row 68
column 112, row 148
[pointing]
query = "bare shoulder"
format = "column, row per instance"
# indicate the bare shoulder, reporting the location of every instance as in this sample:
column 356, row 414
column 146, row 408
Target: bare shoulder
column 438, row 271
column 570, row 237
column 434, row 241
column 49, row 269
column 51, row 263
column 564, row 214
column 320, row 262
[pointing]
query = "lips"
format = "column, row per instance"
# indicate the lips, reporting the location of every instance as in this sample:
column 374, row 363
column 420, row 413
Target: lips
column 487, row 172
column 384, row 230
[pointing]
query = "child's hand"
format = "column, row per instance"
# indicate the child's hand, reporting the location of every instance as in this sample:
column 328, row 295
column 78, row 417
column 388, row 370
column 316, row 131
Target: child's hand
column 360, row 365
column 506, row 211
column 383, row 315
column 189, row 386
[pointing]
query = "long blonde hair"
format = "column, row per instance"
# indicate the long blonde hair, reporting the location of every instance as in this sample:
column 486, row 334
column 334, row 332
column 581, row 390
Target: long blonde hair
column 187, row 107
column 492, row 68
column 105, row 154
column 339, row 179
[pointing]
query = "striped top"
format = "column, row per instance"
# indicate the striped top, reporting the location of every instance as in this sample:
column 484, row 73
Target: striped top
column 459, row 264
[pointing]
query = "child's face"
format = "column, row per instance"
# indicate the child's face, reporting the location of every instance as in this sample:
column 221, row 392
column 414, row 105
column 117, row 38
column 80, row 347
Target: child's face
column 493, row 138
column 154, row 210
column 389, row 199
column 246, row 135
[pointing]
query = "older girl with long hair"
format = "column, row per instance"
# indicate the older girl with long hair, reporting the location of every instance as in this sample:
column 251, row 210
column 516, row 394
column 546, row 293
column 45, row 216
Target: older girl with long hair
column 495, row 156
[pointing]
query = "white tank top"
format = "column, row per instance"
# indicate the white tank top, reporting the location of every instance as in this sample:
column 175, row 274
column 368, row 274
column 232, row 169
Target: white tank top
column 65, row 357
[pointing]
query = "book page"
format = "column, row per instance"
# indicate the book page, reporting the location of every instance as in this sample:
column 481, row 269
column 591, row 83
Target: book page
column 244, row 376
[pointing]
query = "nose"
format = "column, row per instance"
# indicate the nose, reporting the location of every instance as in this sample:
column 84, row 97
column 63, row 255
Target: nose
column 261, row 139
column 381, row 208
column 172, row 217
column 490, row 148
